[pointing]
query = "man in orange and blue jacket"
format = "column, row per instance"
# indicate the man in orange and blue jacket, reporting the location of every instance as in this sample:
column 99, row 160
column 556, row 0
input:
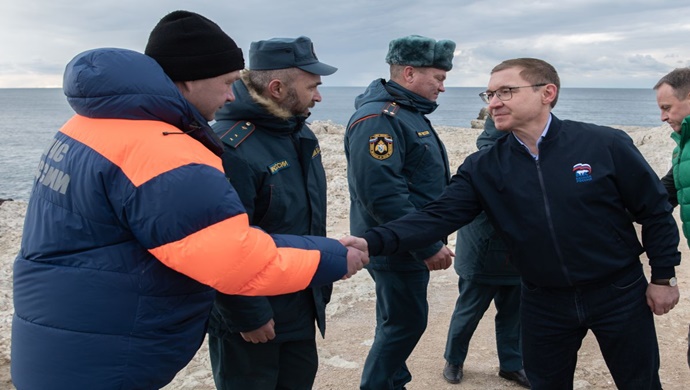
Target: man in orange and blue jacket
column 131, row 225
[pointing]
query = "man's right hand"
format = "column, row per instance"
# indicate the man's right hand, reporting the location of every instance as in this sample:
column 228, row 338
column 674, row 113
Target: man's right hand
column 261, row 335
column 356, row 242
column 441, row 260
column 357, row 254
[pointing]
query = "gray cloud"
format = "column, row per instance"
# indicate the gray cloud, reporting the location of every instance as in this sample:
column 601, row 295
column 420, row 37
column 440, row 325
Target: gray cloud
column 591, row 43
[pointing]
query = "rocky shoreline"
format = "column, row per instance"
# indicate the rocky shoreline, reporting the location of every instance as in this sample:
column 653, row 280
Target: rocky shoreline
column 351, row 311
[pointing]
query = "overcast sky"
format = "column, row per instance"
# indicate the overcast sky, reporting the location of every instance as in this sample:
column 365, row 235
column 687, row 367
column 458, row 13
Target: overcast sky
column 592, row 43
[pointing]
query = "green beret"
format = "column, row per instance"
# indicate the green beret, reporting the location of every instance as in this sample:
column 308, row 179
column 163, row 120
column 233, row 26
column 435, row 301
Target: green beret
column 419, row 51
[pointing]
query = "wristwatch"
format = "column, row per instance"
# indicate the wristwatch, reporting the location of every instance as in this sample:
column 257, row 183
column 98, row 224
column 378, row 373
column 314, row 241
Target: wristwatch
column 666, row 282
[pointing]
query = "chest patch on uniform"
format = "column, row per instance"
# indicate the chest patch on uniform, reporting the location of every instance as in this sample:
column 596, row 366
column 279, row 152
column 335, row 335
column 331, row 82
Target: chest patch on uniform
column 583, row 172
column 278, row 166
column 381, row 146
column 423, row 133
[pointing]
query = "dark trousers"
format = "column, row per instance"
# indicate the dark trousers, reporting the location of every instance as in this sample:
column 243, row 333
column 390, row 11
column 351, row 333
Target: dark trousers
column 472, row 302
column 241, row 365
column 554, row 322
column 401, row 317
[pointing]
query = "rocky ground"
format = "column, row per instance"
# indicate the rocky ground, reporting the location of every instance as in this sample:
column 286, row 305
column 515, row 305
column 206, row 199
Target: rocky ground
column 351, row 312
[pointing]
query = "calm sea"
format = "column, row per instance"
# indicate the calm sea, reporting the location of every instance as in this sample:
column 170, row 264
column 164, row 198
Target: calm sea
column 30, row 117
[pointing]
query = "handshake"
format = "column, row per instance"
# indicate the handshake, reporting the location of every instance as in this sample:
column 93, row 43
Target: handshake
column 357, row 254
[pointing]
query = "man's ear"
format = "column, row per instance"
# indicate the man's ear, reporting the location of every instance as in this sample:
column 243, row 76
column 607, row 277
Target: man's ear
column 184, row 87
column 550, row 93
column 276, row 89
column 408, row 73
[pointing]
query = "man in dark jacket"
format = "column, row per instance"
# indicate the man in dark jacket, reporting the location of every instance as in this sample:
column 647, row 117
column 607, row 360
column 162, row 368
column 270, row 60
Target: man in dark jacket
column 560, row 193
column 397, row 164
column 485, row 275
column 274, row 162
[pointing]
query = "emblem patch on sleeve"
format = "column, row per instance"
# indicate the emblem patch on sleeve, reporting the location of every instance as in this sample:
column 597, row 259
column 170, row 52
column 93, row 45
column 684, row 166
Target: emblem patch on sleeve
column 380, row 146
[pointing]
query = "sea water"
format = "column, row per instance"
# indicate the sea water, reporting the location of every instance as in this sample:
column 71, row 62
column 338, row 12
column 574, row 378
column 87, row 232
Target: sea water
column 30, row 117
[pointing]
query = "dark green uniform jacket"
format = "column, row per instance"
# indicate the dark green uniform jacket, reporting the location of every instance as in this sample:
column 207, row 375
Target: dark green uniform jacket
column 274, row 162
column 396, row 164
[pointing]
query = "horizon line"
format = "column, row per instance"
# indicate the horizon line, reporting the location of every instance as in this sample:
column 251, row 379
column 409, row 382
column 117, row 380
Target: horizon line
column 365, row 86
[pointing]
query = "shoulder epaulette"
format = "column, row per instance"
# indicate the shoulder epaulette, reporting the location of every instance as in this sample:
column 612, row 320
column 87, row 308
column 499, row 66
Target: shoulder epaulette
column 390, row 108
column 237, row 133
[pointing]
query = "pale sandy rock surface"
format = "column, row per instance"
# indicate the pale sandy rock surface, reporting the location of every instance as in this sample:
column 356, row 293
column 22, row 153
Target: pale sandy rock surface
column 351, row 312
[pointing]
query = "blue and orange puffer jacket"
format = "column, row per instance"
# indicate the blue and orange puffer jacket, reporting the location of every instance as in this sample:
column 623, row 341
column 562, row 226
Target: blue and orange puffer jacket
column 130, row 227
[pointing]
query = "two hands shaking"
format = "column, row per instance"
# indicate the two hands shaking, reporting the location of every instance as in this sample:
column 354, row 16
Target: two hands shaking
column 358, row 256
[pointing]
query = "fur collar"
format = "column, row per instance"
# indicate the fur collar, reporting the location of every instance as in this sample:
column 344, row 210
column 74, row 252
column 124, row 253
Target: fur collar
column 272, row 107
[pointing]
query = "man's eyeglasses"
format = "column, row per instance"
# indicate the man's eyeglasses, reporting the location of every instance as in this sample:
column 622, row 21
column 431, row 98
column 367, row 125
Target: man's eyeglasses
column 503, row 94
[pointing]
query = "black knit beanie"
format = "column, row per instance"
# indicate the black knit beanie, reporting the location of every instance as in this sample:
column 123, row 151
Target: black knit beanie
column 190, row 47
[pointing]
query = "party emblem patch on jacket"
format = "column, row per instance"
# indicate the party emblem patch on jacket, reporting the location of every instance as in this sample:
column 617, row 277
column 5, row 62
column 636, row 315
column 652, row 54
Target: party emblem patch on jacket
column 583, row 172
column 380, row 146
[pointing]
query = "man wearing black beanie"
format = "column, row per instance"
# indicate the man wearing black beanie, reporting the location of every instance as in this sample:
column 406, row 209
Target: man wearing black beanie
column 189, row 47
column 132, row 226
column 198, row 56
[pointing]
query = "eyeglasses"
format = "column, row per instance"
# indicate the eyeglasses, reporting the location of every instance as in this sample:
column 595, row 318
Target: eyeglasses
column 503, row 94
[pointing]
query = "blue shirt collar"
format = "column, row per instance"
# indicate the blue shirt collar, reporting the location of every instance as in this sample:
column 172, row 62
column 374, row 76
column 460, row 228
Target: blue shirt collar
column 543, row 134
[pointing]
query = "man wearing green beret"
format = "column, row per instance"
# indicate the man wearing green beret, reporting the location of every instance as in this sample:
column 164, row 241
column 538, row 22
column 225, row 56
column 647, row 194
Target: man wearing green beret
column 397, row 164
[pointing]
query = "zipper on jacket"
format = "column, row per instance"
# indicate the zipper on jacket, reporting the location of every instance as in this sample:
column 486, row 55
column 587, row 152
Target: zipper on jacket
column 549, row 220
